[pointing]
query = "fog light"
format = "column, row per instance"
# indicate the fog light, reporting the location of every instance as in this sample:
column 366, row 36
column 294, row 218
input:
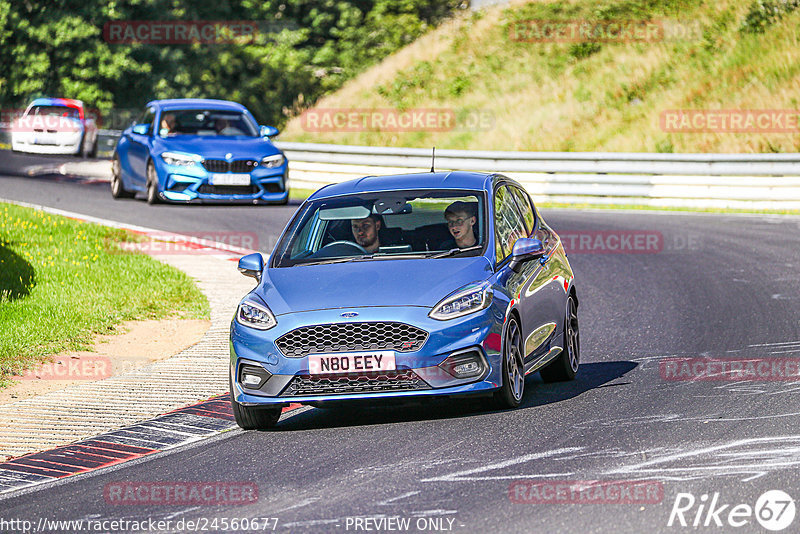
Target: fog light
column 252, row 376
column 467, row 364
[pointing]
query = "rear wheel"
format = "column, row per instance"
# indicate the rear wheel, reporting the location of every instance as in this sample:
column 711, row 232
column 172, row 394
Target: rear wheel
column 93, row 151
column 152, row 184
column 510, row 393
column 249, row 418
column 117, row 187
column 565, row 366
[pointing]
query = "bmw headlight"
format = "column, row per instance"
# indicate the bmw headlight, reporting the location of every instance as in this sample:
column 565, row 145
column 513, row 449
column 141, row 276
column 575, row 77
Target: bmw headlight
column 469, row 299
column 181, row 160
column 275, row 160
column 255, row 315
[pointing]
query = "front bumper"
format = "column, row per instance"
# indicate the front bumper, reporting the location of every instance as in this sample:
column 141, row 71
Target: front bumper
column 193, row 185
column 46, row 143
column 477, row 333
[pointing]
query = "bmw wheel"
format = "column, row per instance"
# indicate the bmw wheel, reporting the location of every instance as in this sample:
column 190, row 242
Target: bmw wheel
column 510, row 394
column 565, row 366
column 117, row 187
column 152, row 184
column 249, row 418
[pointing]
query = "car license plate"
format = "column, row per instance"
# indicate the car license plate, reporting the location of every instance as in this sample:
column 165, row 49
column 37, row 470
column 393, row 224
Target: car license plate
column 351, row 362
column 230, row 179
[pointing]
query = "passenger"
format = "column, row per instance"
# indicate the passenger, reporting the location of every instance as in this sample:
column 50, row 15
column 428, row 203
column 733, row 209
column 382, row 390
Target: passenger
column 167, row 124
column 460, row 222
column 366, row 231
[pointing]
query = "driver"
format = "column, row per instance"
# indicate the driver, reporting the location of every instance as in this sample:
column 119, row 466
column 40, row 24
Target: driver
column 365, row 232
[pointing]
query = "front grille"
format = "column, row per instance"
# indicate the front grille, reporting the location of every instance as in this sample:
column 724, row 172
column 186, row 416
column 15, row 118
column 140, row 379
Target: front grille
column 221, row 165
column 208, row 189
column 307, row 385
column 348, row 337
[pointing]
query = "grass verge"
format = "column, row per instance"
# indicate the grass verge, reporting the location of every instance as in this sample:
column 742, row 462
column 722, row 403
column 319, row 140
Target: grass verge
column 64, row 281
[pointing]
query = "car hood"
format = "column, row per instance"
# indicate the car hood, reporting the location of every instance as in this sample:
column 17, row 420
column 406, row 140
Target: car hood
column 217, row 147
column 417, row 282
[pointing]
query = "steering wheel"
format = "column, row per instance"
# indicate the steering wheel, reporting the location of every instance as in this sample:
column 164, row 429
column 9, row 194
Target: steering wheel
column 342, row 244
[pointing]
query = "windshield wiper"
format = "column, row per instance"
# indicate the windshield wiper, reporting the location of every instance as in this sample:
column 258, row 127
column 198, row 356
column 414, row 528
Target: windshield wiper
column 454, row 251
column 336, row 260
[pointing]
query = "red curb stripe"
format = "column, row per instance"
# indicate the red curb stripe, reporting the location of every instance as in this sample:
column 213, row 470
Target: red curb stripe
column 49, row 460
column 131, row 449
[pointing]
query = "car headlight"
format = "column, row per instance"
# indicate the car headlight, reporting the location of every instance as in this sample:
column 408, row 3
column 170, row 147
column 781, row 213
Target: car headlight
column 255, row 315
column 181, row 160
column 275, row 160
column 469, row 299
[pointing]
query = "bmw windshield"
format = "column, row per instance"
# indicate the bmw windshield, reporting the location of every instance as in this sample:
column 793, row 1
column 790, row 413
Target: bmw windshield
column 385, row 225
column 207, row 122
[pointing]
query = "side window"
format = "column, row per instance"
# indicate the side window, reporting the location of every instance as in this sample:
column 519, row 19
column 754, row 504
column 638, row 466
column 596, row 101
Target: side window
column 524, row 206
column 508, row 223
column 147, row 117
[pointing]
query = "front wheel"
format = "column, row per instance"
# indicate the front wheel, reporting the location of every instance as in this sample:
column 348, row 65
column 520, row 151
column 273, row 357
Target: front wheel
column 152, row 184
column 249, row 418
column 565, row 366
column 117, row 187
column 510, row 393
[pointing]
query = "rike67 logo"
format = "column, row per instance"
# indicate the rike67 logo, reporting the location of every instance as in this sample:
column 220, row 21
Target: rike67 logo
column 774, row 510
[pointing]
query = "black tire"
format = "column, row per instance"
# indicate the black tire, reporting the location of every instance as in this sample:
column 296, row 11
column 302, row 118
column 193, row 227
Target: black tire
column 566, row 364
column 511, row 392
column 81, row 152
column 93, row 151
column 249, row 418
column 152, row 184
column 117, row 187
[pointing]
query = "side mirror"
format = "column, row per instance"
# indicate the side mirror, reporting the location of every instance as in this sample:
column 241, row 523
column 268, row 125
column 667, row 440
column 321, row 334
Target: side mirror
column 141, row 129
column 252, row 265
column 268, row 131
column 525, row 249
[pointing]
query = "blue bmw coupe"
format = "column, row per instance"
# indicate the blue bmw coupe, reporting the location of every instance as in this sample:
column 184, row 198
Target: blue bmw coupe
column 196, row 150
column 392, row 287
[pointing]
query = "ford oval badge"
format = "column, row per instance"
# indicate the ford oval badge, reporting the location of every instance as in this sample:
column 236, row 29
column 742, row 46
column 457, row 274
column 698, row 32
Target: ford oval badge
column 349, row 314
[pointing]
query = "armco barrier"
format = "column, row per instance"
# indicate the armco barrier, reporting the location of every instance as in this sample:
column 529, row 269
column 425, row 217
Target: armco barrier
column 747, row 181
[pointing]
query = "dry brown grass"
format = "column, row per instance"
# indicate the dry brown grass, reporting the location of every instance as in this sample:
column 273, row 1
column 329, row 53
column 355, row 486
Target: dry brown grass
column 543, row 98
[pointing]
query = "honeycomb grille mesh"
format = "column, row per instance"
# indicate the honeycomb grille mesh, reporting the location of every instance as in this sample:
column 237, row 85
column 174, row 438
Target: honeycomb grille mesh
column 348, row 337
column 306, row 385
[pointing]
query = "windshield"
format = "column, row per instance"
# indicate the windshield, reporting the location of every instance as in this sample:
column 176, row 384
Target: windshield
column 54, row 111
column 207, row 122
column 385, row 225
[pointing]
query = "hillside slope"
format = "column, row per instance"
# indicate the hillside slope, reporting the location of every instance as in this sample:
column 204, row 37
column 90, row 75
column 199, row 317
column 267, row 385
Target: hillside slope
column 506, row 90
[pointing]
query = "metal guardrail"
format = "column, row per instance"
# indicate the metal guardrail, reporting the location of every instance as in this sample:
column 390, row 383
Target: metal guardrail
column 747, row 181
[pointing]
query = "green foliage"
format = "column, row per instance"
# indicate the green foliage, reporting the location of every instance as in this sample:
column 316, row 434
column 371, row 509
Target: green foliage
column 305, row 49
column 765, row 13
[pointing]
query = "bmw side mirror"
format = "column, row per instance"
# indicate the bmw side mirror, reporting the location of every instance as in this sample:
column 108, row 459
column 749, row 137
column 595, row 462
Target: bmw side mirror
column 141, row 129
column 525, row 249
column 252, row 265
column 268, row 131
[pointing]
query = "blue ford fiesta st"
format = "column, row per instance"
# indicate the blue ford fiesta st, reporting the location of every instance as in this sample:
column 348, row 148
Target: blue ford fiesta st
column 197, row 150
column 393, row 287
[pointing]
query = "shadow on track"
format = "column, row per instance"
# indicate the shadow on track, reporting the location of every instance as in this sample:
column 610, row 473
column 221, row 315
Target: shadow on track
column 537, row 393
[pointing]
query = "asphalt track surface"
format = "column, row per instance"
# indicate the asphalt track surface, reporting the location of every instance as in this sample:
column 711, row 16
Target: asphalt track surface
column 718, row 286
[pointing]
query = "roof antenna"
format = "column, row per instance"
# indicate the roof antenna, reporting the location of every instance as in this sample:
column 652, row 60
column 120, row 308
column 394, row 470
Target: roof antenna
column 433, row 158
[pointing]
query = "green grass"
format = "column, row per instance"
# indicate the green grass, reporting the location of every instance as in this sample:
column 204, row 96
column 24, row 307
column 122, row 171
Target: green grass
column 591, row 95
column 64, row 281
